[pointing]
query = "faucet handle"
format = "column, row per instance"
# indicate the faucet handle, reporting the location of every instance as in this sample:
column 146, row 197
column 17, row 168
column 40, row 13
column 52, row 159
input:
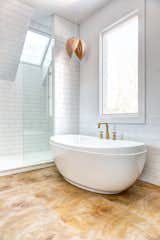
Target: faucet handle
column 114, row 135
column 101, row 134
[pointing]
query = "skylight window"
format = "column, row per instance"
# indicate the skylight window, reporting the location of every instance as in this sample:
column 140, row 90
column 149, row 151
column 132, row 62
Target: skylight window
column 34, row 48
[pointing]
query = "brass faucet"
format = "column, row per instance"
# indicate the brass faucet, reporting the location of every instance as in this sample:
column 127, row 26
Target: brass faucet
column 107, row 130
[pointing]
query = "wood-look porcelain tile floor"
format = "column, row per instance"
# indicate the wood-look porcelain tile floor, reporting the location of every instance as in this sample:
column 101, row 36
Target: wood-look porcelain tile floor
column 40, row 205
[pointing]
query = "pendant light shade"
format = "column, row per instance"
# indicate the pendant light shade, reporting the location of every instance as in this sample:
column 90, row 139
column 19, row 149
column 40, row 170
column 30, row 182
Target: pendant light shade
column 72, row 45
column 77, row 46
column 80, row 50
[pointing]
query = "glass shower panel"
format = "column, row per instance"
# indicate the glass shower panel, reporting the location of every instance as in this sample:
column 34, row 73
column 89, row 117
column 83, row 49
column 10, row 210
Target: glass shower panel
column 37, row 105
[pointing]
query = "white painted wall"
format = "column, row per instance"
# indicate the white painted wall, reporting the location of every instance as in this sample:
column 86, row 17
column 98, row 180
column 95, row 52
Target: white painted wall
column 89, row 77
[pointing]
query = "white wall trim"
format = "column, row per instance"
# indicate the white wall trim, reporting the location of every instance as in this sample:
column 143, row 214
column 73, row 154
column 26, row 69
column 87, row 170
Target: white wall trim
column 26, row 169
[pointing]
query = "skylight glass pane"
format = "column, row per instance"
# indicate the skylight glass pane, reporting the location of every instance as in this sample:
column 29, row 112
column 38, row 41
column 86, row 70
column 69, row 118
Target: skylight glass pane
column 34, row 48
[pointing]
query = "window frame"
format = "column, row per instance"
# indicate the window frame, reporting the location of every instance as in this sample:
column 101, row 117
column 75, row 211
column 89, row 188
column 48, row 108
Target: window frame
column 129, row 117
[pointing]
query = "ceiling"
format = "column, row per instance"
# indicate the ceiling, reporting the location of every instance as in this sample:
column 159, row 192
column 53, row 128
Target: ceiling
column 74, row 10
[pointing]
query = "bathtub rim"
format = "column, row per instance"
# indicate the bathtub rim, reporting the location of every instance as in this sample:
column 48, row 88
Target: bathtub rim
column 91, row 151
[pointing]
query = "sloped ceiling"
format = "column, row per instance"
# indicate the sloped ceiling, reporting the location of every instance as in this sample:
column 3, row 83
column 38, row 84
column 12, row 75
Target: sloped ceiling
column 14, row 21
column 15, row 17
column 74, row 10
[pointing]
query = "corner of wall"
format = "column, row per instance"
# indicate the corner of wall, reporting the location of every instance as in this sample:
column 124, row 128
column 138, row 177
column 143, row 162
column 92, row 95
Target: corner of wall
column 66, row 79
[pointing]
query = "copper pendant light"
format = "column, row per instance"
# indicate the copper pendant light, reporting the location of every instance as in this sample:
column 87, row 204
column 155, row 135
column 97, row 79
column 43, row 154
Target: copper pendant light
column 71, row 45
column 77, row 46
column 80, row 50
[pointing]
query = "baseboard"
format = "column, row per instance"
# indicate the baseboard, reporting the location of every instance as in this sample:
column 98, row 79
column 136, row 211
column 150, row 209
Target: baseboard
column 26, row 168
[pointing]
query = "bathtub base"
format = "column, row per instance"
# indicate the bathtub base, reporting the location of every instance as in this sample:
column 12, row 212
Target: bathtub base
column 88, row 188
column 106, row 167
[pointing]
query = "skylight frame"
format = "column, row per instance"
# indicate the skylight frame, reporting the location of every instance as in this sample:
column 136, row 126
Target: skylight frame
column 45, row 50
column 45, row 53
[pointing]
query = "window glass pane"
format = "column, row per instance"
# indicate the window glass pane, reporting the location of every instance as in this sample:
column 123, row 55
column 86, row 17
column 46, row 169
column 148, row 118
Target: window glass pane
column 120, row 68
column 34, row 48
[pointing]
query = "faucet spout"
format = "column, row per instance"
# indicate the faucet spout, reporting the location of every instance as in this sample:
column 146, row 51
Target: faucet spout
column 107, row 128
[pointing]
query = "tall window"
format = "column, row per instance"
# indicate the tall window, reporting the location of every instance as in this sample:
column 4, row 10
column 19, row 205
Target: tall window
column 120, row 68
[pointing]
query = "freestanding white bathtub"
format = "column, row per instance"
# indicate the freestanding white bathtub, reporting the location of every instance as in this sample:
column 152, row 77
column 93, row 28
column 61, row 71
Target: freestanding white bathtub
column 102, row 166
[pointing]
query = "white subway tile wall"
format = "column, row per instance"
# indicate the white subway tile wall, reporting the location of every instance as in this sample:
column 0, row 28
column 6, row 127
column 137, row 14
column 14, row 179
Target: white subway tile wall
column 66, row 92
column 148, row 133
column 24, row 123
column 66, row 80
column 35, row 110
column 33, row 121
column 14, row 21
column 64, row 29
column 11, row 118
